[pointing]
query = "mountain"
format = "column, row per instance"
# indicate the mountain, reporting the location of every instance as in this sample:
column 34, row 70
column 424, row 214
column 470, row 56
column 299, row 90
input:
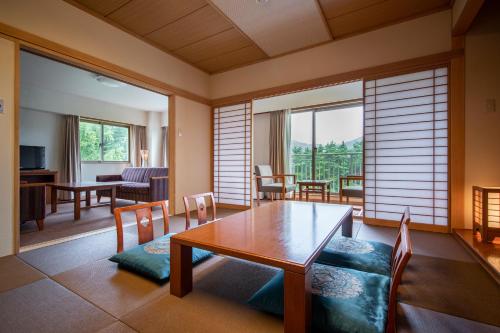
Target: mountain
column 349, row 143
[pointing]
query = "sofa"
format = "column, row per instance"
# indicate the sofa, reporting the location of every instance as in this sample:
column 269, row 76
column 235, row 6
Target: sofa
column 146, row 184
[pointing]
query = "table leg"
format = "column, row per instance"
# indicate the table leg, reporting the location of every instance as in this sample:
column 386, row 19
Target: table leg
column 329, row 189
column 297, row 302
column 112, row 204
column 323, row 193
column 347, row 226
column 300, row 192
column 87, row 198
column 307, row 193
column 77, row 197
column 53, row 200
column 181, row 269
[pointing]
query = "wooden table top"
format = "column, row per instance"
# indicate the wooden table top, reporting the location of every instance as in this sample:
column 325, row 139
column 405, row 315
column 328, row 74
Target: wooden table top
column 284, row 234
column 83, row 186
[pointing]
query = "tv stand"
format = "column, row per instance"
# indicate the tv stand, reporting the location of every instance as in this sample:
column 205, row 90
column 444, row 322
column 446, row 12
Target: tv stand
column 41, row 177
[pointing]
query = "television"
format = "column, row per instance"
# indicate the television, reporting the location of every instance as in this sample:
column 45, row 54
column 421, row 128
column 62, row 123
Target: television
column 32, row 157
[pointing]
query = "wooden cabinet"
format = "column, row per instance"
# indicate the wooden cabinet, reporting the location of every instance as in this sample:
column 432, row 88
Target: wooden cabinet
column 40, row 177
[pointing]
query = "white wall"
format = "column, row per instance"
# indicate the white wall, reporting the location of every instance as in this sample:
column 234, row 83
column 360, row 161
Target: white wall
column 40, row 128
column 419, row 37
column 7, row 148
column 60, row 22
column 261, row 127
column 482, row 82
column 154, row 138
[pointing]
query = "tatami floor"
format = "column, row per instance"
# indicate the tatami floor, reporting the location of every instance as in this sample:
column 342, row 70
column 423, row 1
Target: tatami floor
column 72, row 287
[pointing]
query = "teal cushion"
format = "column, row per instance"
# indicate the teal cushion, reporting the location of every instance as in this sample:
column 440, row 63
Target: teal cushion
column 343, row 300
column 372, row 257
column 152, row 259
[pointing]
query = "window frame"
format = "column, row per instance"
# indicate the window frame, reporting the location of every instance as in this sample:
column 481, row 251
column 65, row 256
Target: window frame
column 101, row 123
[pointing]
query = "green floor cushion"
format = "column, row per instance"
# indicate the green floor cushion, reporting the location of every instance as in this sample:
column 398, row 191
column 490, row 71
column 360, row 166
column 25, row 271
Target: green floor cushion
column 343, row 300
column 372, row 257
column 152, row 259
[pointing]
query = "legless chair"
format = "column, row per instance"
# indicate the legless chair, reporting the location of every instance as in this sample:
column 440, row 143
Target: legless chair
column 201, row 208
column 144, row 218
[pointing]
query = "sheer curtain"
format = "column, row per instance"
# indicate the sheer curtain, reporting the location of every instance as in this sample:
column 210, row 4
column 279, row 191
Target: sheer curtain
column 138, row 141
column 279, row 140
column 164, row 146
column 71, row 163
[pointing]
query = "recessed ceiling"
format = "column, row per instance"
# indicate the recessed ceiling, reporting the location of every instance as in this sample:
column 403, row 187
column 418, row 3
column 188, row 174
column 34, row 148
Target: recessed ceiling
column 43, row 73
column 218, row 35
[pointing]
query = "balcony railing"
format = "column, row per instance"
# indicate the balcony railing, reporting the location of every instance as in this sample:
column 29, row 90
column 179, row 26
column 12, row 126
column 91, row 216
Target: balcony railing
column 329, row 166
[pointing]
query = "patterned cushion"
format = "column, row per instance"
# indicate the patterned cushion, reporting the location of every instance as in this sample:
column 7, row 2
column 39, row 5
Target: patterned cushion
column 142, row 188
column 154, row 172
column 343, row 300
column 152, row 259
column 373, row 257
column 135, row 175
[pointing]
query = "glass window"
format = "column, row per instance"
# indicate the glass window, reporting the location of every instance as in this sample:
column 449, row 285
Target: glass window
column 103, row 142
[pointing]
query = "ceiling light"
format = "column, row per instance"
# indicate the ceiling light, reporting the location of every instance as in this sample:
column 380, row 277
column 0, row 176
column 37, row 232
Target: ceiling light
column 109, row 82
column 261, row 2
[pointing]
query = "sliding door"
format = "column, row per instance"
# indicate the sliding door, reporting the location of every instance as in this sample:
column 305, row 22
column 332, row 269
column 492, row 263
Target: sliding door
column 232, row 155
column 406, row 147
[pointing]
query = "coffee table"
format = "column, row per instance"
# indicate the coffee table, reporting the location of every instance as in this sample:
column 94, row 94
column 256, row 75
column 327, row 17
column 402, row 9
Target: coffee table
column 315, row 186
column 78, row 187
column 286, row 234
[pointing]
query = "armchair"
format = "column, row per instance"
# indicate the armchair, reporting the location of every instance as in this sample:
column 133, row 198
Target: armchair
column 348, row 190
column 266, row 182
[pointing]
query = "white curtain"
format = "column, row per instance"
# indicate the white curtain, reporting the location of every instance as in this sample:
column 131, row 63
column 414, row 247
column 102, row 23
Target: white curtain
column 164, row 146
column 71, row 163
column 138, row 138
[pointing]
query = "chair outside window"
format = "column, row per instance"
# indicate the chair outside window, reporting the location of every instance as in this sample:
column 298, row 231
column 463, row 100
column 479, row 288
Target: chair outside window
column 348, row 189
column 273, row 184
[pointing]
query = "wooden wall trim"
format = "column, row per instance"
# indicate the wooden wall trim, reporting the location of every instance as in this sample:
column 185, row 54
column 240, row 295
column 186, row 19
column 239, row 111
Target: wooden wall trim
column 466, row 17
column 386, row 69
column 80, row 59
column 17, row 116
column 172, row 131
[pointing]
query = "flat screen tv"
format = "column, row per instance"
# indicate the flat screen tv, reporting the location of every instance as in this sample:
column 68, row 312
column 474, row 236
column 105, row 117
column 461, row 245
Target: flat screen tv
column 32, row 157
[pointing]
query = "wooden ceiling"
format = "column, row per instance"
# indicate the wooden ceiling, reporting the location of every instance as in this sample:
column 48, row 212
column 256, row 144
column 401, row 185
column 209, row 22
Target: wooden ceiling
column 202, row 34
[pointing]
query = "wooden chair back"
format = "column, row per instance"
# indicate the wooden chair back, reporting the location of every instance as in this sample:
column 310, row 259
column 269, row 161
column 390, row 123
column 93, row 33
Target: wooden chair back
column 201, row 208
column 405, row 219
column 144, row 219
column 402, row 255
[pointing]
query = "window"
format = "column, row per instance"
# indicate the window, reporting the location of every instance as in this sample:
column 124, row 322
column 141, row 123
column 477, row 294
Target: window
column 103, row 142
column 327, row 143
column 406, row 147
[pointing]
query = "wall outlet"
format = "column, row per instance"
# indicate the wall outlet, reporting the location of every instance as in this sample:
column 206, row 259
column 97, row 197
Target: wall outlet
column 1, row 105
column 491, row 105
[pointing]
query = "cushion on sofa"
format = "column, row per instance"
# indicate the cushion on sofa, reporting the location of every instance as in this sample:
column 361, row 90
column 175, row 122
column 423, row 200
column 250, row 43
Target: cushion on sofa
column 343, row 300
column 152, row 259
column 154, row 172
column 142, row 188
column 367, row 256
column 135, row 175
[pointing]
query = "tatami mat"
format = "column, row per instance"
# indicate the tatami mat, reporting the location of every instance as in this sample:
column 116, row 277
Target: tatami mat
column 412, row 319
column 379, row 234
column 15, row 273
column 216, row 304
column 45, row 306
column 117, row 327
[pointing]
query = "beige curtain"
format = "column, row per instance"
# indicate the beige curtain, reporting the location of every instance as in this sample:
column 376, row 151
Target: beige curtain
column 71, row 171
column 138, row 141
column 279, row 140
column 164, row 146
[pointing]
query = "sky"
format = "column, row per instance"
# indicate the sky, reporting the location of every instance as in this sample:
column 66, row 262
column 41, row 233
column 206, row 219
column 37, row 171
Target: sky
column 334, row 125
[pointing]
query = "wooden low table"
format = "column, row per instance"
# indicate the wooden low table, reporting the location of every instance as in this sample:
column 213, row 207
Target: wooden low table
column 286, row 234
column 77, row 188
column 315, row 186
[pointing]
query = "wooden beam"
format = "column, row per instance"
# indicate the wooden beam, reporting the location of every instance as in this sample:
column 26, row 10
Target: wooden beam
column 464, row 13
column 172, row 136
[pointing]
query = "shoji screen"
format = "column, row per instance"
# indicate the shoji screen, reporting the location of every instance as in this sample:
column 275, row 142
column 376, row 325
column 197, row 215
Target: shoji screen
column 232, row 127
column 406, row 147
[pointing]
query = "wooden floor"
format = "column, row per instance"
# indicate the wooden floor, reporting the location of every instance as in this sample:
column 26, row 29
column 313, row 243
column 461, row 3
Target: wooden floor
column 488, row 254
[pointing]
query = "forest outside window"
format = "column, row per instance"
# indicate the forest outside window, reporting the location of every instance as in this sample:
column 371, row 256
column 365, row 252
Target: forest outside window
column 104, row 142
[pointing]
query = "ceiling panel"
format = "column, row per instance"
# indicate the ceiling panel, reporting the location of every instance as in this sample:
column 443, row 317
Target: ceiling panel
column 103, row 7
column 380, row 14
column 233, row 59
column 145, row 16
column 224, row 42
column 192, row 28
column 278, row 27
column 333, row 8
